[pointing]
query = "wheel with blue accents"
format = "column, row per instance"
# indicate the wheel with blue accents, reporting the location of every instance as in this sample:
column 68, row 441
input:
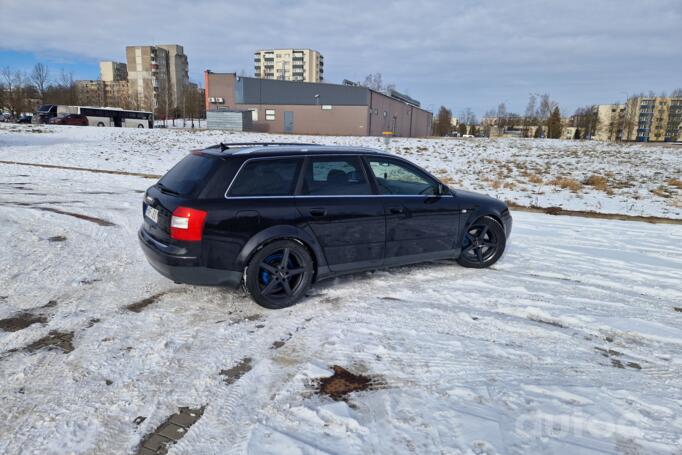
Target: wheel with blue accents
column 279, row 274
column 483, row 244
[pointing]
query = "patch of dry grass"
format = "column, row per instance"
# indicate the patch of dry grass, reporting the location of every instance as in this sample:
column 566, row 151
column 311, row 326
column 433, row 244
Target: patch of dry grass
column 535, row 179
column 677, row 183
column 567, row 183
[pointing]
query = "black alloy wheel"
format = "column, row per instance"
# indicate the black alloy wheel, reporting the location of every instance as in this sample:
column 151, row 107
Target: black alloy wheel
column 279, row 274
column 483, row 244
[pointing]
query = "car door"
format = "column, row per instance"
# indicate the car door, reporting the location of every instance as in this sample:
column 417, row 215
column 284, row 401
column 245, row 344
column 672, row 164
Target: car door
column 420, row 223
column 336, row 201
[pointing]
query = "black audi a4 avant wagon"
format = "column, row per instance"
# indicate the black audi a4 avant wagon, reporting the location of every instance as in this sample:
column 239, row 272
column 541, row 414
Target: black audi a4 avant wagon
column 280, row 217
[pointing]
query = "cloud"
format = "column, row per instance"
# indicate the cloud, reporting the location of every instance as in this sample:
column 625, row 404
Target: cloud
column 457, row 53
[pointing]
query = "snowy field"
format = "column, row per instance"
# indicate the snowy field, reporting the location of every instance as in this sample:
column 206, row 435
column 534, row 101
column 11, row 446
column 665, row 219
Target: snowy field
column 570, row 344
column 632, row 179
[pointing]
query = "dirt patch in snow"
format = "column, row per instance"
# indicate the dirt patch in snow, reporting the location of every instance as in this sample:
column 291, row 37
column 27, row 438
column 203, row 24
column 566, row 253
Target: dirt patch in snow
column 21, row 321
column 54, row 340
column 343, row 382
column 80, row 216
column 169, row 432
column 57, row 238
column 73, row 168
column 233, row 374
column 588, row 214
column 140, row 305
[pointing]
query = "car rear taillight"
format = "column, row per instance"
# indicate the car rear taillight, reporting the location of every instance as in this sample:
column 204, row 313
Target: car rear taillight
column 187, row 224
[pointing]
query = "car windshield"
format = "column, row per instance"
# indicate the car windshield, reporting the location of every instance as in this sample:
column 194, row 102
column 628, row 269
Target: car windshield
column 188, row 175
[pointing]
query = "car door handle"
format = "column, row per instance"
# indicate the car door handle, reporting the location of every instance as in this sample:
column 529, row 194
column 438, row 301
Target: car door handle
column 396, row 210
column 318, row 212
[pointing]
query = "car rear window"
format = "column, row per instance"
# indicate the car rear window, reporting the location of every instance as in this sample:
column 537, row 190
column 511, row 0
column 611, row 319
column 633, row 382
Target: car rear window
column 189, row 175
column 268, row 177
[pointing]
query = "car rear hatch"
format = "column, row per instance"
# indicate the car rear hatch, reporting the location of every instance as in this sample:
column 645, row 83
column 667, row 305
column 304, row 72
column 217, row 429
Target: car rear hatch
column 180, row 187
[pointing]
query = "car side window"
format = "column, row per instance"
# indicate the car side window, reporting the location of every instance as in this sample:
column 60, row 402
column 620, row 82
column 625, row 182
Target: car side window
column 397, row 178
column 268, row 177
column 335, row 176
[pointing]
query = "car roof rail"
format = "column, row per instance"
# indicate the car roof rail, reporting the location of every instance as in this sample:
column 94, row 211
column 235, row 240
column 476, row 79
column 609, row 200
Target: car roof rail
column 225, row 146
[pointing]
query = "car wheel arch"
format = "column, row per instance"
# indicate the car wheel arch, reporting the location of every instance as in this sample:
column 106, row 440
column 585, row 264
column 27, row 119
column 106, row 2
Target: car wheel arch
column 276, row 233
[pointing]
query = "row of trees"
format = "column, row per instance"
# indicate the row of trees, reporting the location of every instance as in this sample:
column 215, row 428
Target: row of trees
column 23, row 91
column 444, row 126
column 542, row 118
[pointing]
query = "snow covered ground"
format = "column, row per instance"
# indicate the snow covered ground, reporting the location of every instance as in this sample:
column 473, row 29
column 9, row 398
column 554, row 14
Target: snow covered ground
column 632, row 179
column 570, row 344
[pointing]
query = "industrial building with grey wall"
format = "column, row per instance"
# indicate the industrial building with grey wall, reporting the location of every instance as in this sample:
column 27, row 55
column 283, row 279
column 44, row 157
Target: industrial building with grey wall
column 316, row 108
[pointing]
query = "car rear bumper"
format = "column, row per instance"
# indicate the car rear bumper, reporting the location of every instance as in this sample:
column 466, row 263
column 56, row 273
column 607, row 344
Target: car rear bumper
column 184, row 269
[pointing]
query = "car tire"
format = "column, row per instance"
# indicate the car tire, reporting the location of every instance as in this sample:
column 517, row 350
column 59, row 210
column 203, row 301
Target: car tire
column 140, row 126
column 100, row 124
column 483, row 243
column 279, row 274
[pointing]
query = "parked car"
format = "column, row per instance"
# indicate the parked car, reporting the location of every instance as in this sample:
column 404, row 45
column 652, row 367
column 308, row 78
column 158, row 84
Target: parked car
column 25, row 119
column 70, row 119
column 280, row 217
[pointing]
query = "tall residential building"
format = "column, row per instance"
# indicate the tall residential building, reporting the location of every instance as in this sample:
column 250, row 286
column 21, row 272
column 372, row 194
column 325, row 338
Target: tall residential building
column 178, row 71
column 642, row 119
column 304, row 65
column 113, row 71
column 656, row 120
column 610, row 122
column 156, row 75
column 104, row 93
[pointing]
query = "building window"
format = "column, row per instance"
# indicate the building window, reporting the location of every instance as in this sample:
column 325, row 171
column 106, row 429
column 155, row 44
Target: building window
column 254, row 115
column 270, row 114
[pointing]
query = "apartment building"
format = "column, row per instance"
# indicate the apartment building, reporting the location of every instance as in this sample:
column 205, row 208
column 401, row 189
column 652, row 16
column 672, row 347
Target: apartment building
column 110, row 71
column 302, row 65
column 279, row 106
column 178, row 70
column 657, row 120
column 156, row 75
column 104, row 93
column 610, row 122
column 642, row 119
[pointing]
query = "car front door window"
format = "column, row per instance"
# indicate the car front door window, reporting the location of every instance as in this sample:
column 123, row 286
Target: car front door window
column 397, row 179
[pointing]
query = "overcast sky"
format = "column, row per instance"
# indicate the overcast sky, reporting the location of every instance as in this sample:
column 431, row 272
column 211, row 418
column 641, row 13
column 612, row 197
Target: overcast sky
column 457, row 53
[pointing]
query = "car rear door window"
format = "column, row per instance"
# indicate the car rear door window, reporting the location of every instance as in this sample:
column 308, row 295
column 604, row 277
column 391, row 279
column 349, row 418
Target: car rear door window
column 266, row 177
column 400, row 179
column 339, row 176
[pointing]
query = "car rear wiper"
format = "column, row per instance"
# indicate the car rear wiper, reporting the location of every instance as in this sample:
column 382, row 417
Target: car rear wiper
column 165, row 189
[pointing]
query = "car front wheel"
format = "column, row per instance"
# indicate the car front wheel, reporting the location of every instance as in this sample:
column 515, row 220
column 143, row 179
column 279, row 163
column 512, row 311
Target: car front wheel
column 279, row 274
column 483, row 244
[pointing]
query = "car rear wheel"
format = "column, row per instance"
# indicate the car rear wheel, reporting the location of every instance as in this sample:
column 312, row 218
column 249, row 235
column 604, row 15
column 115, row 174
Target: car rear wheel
column 279, row 274
column 100, row 124
column 483, row 244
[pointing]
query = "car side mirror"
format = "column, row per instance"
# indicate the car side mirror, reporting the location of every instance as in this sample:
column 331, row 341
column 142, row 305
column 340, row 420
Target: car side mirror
column 442, row 190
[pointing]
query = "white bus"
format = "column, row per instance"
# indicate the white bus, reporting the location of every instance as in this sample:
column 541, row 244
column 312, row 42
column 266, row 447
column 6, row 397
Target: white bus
column 97, row 116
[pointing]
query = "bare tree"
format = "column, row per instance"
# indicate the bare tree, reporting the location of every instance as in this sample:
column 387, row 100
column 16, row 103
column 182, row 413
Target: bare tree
column 375, row 82
column 39, row 77
column 502, row 116
column 14, row 83
column 529, row 118
column 676, row 93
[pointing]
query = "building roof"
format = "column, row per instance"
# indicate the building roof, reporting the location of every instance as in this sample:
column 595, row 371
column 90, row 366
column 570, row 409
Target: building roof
column 253, row 90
